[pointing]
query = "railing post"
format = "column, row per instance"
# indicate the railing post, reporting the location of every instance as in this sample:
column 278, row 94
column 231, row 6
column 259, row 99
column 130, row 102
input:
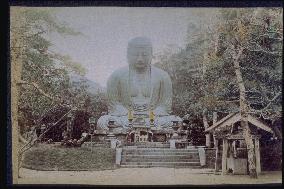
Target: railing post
column 118, row 152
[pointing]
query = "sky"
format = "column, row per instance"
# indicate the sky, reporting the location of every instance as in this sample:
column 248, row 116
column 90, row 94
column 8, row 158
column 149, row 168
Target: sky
column 106, row 31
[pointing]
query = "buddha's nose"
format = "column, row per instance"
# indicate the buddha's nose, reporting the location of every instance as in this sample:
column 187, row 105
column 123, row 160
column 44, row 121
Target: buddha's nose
column 139, row 58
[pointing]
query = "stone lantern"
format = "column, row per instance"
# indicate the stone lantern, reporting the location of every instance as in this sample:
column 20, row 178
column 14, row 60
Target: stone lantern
column 151, row 116
column 175, row 125
column 92, row 124
column 110, row 136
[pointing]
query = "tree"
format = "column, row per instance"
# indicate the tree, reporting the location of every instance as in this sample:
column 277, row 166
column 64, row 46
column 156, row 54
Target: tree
column 38, row 76
column 249, row 37
column 238, row 60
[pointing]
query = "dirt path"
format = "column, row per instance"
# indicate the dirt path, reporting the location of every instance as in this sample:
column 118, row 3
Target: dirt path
column 143, row 176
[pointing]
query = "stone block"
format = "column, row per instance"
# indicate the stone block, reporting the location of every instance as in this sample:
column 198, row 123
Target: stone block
column 172, row 144
column 118, row 153
column 113, row 143
column 202, row 157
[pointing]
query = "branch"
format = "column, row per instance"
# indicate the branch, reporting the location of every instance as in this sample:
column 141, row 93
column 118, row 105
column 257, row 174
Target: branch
column 264, row 51
column 275, row 38
column 32, row 142
column 237, row 56
column 270, row 101
column 227, row 101
column 265, row 109
column 260, row 49
column 35, row 85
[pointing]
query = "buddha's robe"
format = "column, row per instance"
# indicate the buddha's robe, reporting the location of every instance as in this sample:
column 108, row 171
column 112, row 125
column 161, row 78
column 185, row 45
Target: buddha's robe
column 151, row 92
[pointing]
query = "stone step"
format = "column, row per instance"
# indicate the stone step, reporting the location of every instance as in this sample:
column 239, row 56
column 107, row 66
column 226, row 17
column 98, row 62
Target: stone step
column 165, row 146
column 146, row 143
column 160, row 149
column 150, row 146
column 159, row 153
column 126, row 160
column 168, row 166
column 160, row 157
column 161, row 164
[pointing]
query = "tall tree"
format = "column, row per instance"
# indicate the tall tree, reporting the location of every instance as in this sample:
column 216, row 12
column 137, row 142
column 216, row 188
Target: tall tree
column 249, row 37
column 238, row 68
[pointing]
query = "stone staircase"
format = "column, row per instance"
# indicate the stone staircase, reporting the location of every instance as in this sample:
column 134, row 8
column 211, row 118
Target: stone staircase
column 148, row 145
column 159, row 157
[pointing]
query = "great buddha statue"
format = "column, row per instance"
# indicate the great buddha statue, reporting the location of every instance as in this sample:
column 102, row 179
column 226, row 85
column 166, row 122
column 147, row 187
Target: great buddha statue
column 139, row 90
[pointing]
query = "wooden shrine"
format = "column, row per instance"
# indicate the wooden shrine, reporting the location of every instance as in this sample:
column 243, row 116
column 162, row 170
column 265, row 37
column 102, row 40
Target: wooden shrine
column 229, row 131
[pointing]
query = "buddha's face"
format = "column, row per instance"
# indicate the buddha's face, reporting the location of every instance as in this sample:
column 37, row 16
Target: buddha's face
column 139, row 56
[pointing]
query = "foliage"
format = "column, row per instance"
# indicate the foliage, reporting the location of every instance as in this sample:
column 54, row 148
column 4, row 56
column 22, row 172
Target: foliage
column 259, row 33
column 45, row 83
column 203, row 72
column 48, row 157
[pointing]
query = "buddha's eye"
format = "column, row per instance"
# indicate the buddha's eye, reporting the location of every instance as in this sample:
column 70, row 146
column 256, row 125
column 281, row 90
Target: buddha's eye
column 136, row 54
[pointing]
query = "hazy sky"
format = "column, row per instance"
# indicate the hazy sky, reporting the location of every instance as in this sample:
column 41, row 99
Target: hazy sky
column 107, row 31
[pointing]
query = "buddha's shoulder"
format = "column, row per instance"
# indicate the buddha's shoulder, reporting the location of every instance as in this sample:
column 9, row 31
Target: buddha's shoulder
column 119, row 72
column 159, row 72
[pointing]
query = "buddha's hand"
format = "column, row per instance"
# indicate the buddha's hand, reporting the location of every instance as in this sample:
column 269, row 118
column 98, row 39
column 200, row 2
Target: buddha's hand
column 139, row 107
column 119, row 110
column 160, row 111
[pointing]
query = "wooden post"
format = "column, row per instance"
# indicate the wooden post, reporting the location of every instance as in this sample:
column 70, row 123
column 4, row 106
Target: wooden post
column 215, row 118
column 216, row 154
column 224, row 156
column 91, row 142
column 257, row 155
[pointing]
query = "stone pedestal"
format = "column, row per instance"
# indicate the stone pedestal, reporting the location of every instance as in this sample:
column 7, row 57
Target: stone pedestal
column 237, row 165
column 113, row 143
column 110, row 136
column 118, row 152
column 172, row 143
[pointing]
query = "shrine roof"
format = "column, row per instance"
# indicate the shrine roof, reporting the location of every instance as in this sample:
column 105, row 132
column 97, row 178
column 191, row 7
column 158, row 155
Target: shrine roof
column 235, row 117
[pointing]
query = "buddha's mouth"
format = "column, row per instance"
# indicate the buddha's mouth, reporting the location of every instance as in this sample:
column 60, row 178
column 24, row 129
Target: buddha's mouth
column 140, row 64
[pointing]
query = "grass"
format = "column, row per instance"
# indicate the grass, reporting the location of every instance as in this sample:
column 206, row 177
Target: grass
column 50, row 157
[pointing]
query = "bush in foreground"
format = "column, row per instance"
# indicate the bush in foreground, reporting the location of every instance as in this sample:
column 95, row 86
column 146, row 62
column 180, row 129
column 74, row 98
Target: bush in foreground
column 51, row 157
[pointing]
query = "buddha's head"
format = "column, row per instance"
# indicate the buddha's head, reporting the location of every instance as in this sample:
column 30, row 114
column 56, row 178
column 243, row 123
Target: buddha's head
column 139, row 53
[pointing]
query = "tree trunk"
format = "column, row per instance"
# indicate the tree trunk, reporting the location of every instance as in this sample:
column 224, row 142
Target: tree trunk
column 206, row 125
column 17, row 50
column 216, row 144
column 244, row 117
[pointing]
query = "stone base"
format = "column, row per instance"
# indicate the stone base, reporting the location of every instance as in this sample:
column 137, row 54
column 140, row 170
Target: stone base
column 237, row 165
column 139, row 134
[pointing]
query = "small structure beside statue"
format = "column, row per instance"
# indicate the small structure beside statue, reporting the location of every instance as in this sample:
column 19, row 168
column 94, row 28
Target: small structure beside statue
column 229, row 139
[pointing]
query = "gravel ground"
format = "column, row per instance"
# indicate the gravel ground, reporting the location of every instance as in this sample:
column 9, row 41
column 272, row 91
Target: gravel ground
column 143, row 176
